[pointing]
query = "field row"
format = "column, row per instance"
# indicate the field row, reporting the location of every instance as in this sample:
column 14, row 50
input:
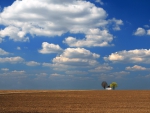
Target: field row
column 85, row 101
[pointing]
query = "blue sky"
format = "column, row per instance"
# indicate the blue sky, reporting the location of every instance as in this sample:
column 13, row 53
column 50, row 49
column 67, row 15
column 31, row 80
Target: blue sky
column 74, row 44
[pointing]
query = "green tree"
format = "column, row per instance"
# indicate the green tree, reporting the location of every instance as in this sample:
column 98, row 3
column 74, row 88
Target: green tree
column 113, row 85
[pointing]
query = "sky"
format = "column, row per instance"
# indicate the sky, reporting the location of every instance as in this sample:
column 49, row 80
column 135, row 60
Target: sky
column 74, row 44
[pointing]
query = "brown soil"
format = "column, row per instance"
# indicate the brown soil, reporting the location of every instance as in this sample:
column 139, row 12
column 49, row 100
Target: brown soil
column 94, row 101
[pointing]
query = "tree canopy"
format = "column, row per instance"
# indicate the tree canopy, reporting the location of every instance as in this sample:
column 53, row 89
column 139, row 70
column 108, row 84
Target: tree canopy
column 113, row 85
column 104, row 84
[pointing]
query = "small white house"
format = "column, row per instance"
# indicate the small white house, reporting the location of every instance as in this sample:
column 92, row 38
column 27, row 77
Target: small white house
column 108, row 88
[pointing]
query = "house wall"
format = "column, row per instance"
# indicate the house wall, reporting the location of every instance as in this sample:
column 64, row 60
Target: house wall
column 108, row 88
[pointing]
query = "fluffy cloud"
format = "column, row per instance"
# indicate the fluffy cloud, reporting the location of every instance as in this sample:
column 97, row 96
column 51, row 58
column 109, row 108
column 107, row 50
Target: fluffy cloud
column 18, row 48
column 76, row 72
column 58, row 66
column 99, row 1
column 18, row 72
column 14, row 33
column 77, row 56
column 32, row 63
column 114, row 75
column 148, row 32
column 40, row 76
column 120, row 74
column 58, row 17
column 116, row 24
column 1, row 39
column 50, row 48
column 102, row 68
column 15, row 74
column 11, row 60
column 136, row 68
column 4, row 69
column 94, row 37
column 3, row 52
column 146, row 26
column 55, row 17
column 73, row 59
column 131, row 56
column 140, row 32
column 46, row 64
column 55, row 75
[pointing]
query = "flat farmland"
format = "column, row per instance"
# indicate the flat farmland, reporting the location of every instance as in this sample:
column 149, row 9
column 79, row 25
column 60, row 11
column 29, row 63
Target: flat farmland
column 74, row 101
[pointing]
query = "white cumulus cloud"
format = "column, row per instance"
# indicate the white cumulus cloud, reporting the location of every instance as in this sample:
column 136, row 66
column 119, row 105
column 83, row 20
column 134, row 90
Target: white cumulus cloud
column 102, row 68
column 116, row 24
column 32, row 63
column 18, row 48
column 113, row 75
column 136, row 68
column 58, row 66
column 131, row 56
column 11, row 60
column 99, row 1
column 146, row 26
column 56, row 17
column 120, row 74
column 4, row 69
column 140, row 32
column 50, row 48
column 73, row 58
column 94, row 37
column 3, row 52
column 41, row 76
column 14, row 33
column 18, row 72
column 55, row 75
column 148, row 32
column 50, row 18
column 76, row 72
column 77, row 56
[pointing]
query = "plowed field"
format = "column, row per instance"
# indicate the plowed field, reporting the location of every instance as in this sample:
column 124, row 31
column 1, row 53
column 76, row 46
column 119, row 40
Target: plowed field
column 88, row 101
